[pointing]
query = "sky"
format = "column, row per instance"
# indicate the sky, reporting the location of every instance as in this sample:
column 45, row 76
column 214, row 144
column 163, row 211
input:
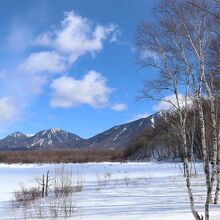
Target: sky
column 71, row 65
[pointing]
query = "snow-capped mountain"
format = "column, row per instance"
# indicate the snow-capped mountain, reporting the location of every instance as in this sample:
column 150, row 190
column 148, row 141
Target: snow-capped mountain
column 119, row 136
column 12, row 141
column 55, row 138
column 16, row 136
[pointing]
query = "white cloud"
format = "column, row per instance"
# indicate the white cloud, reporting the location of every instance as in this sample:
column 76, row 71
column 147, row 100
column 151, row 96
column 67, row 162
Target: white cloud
column 91, row 90
column 119, row 107
column 8, row 110
column 44, row 62
column 62, row 46
column 165, row 105
column 76, row 36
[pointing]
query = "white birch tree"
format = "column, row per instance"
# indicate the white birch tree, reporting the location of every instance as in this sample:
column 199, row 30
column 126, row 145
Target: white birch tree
column 178, row 44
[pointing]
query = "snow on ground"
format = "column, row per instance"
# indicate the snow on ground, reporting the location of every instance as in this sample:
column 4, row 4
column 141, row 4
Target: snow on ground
column 129, row 191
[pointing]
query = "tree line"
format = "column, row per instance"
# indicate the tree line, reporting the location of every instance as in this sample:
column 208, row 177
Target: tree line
column 182, row 42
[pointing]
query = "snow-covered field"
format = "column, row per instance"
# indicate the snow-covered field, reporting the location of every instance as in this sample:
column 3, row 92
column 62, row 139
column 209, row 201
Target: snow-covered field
column 152, row 191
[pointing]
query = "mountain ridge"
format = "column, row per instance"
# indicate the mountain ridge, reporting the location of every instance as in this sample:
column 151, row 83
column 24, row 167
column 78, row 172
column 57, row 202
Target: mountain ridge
column 116, row 137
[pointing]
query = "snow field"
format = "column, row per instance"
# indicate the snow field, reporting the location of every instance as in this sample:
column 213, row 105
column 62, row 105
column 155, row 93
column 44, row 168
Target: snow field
column 119, row 191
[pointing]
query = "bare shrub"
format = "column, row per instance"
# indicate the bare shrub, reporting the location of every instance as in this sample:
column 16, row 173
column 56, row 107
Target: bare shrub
column 49, row 201
column 25, row 196
column 61, row 207
column 65, row 183
column 78, row 185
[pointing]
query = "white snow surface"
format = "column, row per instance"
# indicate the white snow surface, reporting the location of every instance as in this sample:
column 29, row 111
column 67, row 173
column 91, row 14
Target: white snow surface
column 133, row 191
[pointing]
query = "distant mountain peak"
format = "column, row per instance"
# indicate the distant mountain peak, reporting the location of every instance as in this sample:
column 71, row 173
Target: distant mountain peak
column 17, row 134
column 12, row 139
column 55, row 130
column 54, row 138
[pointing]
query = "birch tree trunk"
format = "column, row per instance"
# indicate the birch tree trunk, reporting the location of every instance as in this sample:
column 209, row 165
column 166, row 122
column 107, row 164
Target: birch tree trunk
column 216, row 199
column 188, row 180
column 214, row 161
column 203, row 141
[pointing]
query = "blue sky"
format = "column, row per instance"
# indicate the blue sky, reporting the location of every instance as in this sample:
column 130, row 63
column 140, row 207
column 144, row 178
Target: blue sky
column 70, row 64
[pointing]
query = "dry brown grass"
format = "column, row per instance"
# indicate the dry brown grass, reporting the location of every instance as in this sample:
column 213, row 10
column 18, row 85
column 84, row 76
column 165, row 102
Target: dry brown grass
column 25, row 196
column 61, row 156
